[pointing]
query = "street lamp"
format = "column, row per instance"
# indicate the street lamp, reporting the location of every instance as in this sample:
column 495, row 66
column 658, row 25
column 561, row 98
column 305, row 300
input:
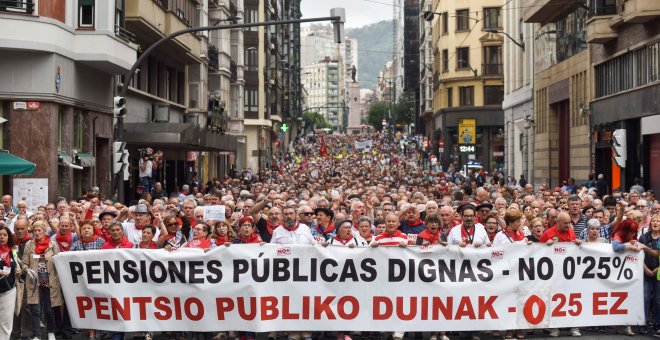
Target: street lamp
column 520, row 44
column 337, row 16
column 232, row 19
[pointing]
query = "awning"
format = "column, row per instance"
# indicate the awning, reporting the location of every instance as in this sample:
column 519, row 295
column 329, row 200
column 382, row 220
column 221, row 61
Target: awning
column 12, row 165
column 86, row 160
column 180, row 136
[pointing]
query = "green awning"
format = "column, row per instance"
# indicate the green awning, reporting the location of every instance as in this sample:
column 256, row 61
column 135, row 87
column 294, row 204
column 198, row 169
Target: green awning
column 86, row 160
column 12, row 165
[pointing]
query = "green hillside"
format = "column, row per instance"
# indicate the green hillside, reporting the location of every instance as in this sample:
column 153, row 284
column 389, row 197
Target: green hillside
column 374, row 50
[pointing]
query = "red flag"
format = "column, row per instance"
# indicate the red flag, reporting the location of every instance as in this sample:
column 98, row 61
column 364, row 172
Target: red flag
column 323, row 151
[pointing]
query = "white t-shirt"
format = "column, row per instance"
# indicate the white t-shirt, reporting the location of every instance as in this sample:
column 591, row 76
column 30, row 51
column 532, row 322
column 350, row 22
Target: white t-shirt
column 147, row 170
column 302, row 235
column 480, row 234
column 134, row 235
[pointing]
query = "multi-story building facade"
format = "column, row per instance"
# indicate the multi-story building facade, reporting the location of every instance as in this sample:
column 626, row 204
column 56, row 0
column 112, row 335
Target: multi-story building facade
column 562, row 92
column 624, row 38
column 58, row 60
column 467, row 84
column 518, row 103
column 321, row 82
column 272, row 79
column 426, row 75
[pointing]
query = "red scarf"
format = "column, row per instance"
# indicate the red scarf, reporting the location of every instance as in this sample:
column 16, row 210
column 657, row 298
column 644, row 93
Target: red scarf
column 428, row 236
column 40, row 247
column 24, row 240
column 466, row 236
column 327, row 230
column 254, row 238
column 220, row 240
column 338, row 239
column 201, row 243
column 295, row 227
column 492, row 238
column 270, row 227
column 4, row 255
column 415, row 224
column 152, row 245
column 64, row 241
column 123, row 243
column 515, row 236
column 91, row 240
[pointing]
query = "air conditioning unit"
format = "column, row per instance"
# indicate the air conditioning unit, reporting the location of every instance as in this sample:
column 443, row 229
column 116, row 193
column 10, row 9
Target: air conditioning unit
column 161, row 113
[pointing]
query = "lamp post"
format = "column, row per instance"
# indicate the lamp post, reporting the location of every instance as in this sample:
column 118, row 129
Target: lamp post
column 337, row 17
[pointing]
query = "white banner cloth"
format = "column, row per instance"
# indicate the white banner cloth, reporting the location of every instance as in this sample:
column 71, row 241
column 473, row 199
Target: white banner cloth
column 275, row 287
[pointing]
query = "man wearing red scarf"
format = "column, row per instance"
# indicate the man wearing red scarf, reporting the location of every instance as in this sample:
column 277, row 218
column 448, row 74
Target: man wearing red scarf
column 411, row 222
column 65, row 240
column 117, row 239
column 133, row 230
column 392, row 235
column 292, row 232
column 266, row 225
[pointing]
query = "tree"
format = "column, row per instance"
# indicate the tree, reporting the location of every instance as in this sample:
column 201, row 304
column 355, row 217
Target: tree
column 377, row 112
column 314, row 120
column 404, row 110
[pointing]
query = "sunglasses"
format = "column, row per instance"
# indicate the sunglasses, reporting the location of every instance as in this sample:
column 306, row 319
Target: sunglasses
column 172, row 224
column 307, row 214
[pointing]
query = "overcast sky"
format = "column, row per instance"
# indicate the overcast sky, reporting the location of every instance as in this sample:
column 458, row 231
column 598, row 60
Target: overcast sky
column 358, row 12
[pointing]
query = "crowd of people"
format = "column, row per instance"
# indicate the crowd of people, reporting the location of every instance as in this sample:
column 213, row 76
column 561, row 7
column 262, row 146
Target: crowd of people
column 372, row 196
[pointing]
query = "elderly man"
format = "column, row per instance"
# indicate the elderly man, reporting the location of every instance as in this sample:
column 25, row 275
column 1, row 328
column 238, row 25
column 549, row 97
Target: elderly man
column 8, row 203
column 306, row 214
column 431, row 207
column 468, row 232
column 411, row 223
column 133, row 230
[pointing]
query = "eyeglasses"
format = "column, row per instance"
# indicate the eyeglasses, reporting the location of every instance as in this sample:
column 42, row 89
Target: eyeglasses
column 307, row 214
column 246, row 225
column 172, row 224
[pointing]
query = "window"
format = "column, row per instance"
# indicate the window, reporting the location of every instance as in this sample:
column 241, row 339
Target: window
column 251, row 58
column 462, row 20
column 445, row 23
column 78, row 128
column 492, row 60
column 252, row 16
column 119, row 13
column 251, row 102
column 627, row 71
column 85, row 13
column 492, row 18
column 467, row 95
column 462, row 58
column 445, row 60
column 493, row 95
column 450, row 97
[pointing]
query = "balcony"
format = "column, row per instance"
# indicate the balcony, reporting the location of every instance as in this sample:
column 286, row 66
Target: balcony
column 547, row 11
column 13, row 7
column 599, row 30
column 123, row 34
column 640, row 11
column 233, row 69
column 492, row 69
column 213, row 58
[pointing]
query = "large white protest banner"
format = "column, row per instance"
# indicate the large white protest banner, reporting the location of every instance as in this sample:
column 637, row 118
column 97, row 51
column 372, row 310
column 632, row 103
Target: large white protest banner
column 274, row 287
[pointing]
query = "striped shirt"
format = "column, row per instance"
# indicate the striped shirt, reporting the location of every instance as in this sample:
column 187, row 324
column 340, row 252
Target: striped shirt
column 394, row 239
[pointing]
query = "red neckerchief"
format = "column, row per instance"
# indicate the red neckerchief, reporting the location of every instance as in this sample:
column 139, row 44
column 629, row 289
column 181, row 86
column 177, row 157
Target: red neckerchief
column 327, row 230
column 465, row 235
column 254, row 238
column 395, row 234
column 64, row 241
column 4, row 255
column 292, row 229
column 152, row 245
column 415, row 224
column 220, row 240
column 24, row 240
column 515, row 236
column 428, row 236
column 123, row 243
column 140, row 227
column 201, row 243
column 40, row 247
column 492, row 238
column 271, row 227
column 93, row 239
column 338, row 239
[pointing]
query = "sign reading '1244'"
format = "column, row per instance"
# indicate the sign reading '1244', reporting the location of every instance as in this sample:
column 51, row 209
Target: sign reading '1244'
column 466, row 148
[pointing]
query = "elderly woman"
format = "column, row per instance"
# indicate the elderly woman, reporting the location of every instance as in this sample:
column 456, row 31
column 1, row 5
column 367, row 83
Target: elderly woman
column 9, row 278
column 364, row 230
column 431, row 235
column 593, row 232
column 411, row 223
column 223, row 234
column 177, row 234
column 344, row 236
column 513, row 232
column 201, row 237
column 492, row 227
column 247, row 232
column 536, row 229
column 43, row 287
column 88, row 240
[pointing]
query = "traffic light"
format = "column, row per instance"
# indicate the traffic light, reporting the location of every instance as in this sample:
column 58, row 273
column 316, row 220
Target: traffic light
column 119, row 109
column 619, row 147
column 120, row 158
